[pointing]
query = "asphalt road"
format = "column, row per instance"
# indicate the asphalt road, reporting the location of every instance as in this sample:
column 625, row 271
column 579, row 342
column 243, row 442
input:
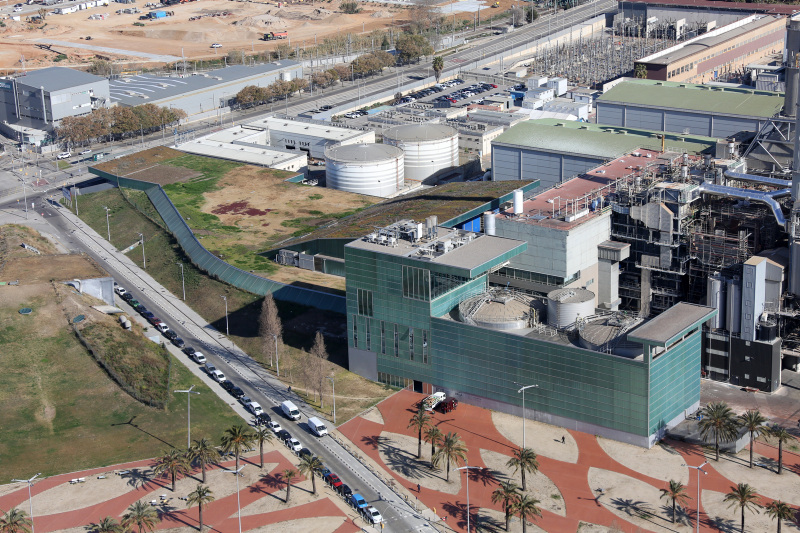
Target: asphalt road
column 235, row 364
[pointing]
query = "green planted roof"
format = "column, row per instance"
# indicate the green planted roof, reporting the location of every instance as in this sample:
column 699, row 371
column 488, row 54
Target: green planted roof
column 691, row 97
column 585, row 139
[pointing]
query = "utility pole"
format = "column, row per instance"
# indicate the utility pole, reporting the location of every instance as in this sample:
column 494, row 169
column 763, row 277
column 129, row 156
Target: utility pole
column 183, row 283
column 108, row 225
column 141, row 237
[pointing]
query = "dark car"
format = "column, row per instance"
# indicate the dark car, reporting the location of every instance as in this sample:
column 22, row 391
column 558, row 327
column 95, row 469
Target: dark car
column 345, row 491
column 127, row 297
column 153, row 320
column 261, row 419
column 177, row 341
column 189, row 351
column 236, row 392
column 305, row 451
column 227, row 385
column 141, row 309
column 326, row 108
column 147, row 315
column 284, row 435
column 171, row 335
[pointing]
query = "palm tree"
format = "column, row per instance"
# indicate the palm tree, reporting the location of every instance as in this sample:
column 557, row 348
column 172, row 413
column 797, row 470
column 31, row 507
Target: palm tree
column 263, row 434
column 419, row 421
column 508, row 495
column 205, row 453
column 200, row 496
column 752, row 421
column 743, row 496
column 675, row 492
column 438, row 67
column 237, row 439
column 451, row 450
column 528, row 509
column 173, row 463
column 782, row 436
column 718, row 422
column 525, row 460
column 15, row 521
column 434, row 436
column 289, row 475
column 106, row 525
column 777, row 510
column 141, row 515
column 309, row 464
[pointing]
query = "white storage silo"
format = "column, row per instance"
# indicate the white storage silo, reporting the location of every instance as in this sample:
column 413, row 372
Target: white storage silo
column 429, row 148
column 373, row 169
column 715, row 297
column 564, row 306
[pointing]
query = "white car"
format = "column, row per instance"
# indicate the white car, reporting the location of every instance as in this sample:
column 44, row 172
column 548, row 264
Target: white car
column 86, row 152
column 294, row 444
column 274, row 426
column 218, row 376
column 64, row 155
column 120, row 290
column 373, row 515
column 199, row 357
column 216, row 45
column 163, row 328
column 255, row 408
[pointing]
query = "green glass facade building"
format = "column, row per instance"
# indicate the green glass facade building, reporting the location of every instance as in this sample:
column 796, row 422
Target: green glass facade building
column 403, row 330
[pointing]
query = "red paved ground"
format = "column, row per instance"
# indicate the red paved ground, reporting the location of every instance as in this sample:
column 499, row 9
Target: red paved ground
column 475, row 427
column 221, row 513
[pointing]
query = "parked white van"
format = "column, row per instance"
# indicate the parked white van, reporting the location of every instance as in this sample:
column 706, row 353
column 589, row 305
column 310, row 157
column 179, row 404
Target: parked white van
column 317, row 427
column 290, row 410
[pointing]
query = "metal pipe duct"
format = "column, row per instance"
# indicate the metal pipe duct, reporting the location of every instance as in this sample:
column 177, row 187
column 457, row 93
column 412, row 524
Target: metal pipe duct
column 758, row 179
column 747, row 194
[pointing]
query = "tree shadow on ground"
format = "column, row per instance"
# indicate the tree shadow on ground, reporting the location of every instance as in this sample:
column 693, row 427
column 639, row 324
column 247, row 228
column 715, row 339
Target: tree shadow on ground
column 272, row 481
column 407, row 464
column 137, row 478
column 478, row 520
column 484, row 476
column 374, row 441
column 641, row 510
column 725, row 525
column 169, row 513
column 683, row 516
column 136, row 426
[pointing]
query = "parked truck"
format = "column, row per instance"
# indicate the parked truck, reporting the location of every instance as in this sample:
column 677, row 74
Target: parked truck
column 290, row 410
column 273, row 35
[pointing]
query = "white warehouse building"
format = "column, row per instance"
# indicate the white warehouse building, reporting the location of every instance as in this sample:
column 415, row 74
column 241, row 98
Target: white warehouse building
column 310, row 136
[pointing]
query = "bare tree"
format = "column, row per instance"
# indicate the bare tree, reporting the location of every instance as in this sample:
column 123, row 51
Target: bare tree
column 270, row 329
column 318, row 365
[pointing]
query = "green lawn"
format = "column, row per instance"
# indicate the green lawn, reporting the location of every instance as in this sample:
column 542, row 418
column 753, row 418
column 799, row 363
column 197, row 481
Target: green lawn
column 62, row 413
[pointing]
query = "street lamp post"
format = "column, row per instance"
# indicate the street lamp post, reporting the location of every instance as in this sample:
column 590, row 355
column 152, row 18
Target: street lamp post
column 467, row 468
column 333, row 389
column 141, row 237
column 25, row 192
column 699, row 469
column 238, row 501
column 30, row 500
column 189, row 393
column 108, row 225
column 183, row 282
column 522, row 390
column 227, row 330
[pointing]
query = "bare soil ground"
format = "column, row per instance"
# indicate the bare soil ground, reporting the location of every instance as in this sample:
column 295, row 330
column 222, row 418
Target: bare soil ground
column 13, row 235
column 308, row 279
column 43, row 268
column 660, row 461
column 134, row 163
column 262, row 204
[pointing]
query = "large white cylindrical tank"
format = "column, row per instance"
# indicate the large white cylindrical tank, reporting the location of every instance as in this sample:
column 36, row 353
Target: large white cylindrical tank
column 429, row 148
column 564, row 306
column 734, row 314
column 373, row 169
column 715, row 297
column 518, row 201
column 488, row 223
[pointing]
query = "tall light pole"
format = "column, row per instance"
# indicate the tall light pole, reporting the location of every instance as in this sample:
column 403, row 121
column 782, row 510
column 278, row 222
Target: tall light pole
column 333, row 388
column 30, row 500
column 144, row 259
column 227, row 331
column 238, row 502
column 108, row 225
column 467, row 468
column 522, row 390
column 189, row 393
column 183, row 282
column 699, row 469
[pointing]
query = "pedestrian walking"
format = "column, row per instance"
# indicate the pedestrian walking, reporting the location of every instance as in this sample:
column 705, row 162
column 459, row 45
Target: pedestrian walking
column 563, row 439
column 419, row 489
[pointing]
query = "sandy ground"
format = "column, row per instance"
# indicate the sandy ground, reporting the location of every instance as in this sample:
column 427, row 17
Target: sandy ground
column 660, row 461
column 299, row 495
column 247, row 198
column 66, row 497
column 310, row 525
column 728, row 519
column 636, row 502
column 539, row 485
column 13, row 235
column 301, row 277
column 543, row 438
column 785, row 487
column 492, row 520
column 43, row 268
column 373, row 415
column 398, row 452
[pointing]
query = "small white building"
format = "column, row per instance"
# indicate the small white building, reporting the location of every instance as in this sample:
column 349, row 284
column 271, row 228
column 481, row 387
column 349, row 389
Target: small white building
column 544, row 94
column 559, row 85
column 569, row 107
column 537, row 81
column 310, row 136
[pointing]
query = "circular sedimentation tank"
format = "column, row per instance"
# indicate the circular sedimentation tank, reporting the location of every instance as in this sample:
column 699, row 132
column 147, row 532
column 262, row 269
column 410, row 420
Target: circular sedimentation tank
column 372, row 169
column 501, row 309
column 608, row 334
column 564, row 306
column 429, row 148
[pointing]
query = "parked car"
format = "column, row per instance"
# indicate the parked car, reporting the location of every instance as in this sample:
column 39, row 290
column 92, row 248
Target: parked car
column 294, row 444
column 262, row 419
column 154, row 320
column 127, row 296
column 358, row 501
column 64, row 155
column 373, row 515
column 284, row 435
column 188, row 351
column 274, row 426
column 244, row 400
column 178, row 342
column 216, row 45
column 199, row 357
column 334, row 481
column 120, row 290
column 236, row 392
column 326, row 108
column 134, row 303
column 163, row 328
column 304, row 452
column 345, row 491
column 171, row 335
column 218, row 376
column 209, row 368
column 141, row 309
column 227, row 385
column 255, row 408
column 86, row 152
column 147, row 315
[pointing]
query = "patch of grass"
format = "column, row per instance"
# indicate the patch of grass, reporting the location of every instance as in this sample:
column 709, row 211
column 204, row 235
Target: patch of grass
column 210, row 167
column 556, row 496
column 315, row 196
column 57, row 400
column 62, row 164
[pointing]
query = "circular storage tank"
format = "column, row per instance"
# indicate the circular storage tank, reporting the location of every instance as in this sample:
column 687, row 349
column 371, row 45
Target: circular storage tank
column 373, row 169
column 564, row 306
column 608, row 334
column 429, row 148
column 501, row 309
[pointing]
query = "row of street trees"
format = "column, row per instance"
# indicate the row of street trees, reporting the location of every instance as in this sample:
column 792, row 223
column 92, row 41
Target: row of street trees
column 119, row 122
column 253, row 95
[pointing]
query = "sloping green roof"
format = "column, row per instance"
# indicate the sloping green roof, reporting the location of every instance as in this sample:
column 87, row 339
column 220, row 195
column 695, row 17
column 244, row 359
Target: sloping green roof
column 597, row 140
column 691, row 97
